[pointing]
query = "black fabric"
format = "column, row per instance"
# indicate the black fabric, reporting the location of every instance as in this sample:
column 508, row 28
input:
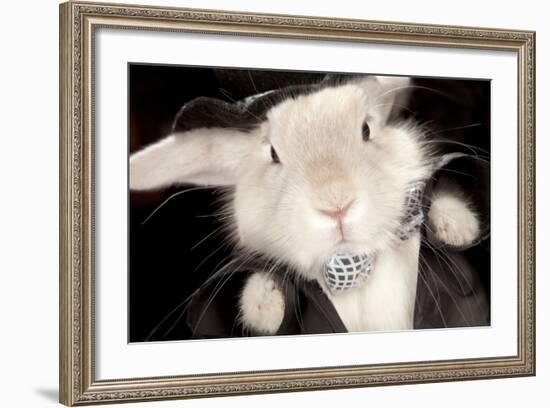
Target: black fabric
column 451, row 290
column 244, row 114
column 213, row 312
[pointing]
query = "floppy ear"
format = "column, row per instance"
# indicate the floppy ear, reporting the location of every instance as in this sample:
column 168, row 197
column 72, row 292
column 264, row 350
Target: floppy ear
column 391, row 94
column 208, row 156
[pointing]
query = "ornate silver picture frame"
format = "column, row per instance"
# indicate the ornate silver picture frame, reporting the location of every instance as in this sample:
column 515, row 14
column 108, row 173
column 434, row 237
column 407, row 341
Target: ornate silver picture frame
column 79, row 24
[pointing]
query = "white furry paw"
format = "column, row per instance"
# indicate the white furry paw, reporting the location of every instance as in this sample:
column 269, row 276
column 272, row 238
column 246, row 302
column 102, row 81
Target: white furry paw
column 452, row 221
column 262, row 306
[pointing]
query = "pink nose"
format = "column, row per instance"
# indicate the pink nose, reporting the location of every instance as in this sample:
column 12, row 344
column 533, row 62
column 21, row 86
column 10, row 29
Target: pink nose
column 339, row 212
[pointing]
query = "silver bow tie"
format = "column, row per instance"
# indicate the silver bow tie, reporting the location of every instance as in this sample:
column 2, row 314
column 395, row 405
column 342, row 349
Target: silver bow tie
column 413, row 214
column 345, row 271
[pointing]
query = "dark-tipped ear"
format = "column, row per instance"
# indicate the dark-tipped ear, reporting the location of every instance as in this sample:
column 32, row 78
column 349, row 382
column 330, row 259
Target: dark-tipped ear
column 390, row 93
column 206, row 156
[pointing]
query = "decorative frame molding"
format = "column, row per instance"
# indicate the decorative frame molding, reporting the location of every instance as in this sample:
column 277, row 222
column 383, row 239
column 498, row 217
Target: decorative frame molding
column 78, row 20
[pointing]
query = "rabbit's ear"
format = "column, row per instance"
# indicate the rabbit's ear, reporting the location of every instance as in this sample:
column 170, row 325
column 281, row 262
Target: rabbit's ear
column 390, row 93
column 206, row 156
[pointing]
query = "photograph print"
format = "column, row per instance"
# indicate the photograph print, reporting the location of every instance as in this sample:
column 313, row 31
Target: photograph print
column 269, row 202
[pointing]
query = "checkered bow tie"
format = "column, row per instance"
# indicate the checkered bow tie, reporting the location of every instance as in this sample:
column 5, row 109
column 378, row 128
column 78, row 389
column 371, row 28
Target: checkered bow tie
column 345, row 271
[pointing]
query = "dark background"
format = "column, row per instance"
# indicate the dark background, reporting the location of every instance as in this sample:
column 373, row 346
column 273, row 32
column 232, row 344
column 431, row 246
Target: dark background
column 164, row 257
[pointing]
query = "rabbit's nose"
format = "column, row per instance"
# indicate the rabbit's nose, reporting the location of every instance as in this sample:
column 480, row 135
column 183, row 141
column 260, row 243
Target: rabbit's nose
column 339, row 212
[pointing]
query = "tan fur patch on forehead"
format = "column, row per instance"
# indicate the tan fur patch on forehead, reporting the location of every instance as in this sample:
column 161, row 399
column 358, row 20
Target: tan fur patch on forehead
column 320, row 117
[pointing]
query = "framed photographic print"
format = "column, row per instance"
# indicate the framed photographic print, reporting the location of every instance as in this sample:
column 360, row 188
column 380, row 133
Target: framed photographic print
column 261, row 203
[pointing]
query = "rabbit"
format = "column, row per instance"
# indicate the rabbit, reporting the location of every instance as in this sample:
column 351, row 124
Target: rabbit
column 323, row 172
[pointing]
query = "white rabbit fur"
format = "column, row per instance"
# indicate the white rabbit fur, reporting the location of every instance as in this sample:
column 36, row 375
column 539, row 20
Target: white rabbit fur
column 324, row 164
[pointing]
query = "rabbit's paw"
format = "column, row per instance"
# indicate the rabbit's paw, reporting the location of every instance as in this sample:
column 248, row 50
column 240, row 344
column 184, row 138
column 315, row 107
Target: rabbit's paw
column 452, row 221
column 261, row 305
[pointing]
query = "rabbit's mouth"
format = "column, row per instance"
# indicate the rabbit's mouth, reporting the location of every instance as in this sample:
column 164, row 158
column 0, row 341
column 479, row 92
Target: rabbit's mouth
column 348, row 245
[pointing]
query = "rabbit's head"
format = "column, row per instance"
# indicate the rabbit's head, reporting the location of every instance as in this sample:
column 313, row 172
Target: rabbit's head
column 322, row 172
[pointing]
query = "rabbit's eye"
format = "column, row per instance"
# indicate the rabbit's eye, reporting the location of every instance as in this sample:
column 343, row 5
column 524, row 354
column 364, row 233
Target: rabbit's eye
column 366, row 131
column 274, row 155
